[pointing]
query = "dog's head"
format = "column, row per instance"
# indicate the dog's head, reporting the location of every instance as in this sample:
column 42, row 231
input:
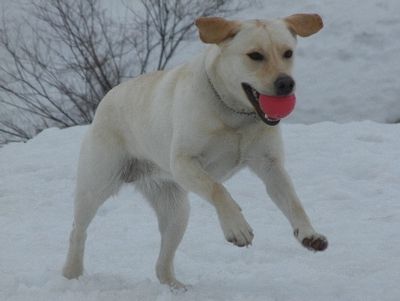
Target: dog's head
column 255, row 57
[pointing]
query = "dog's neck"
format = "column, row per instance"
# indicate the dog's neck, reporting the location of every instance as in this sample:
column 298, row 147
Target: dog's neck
column 224, row 104
column 229, row 108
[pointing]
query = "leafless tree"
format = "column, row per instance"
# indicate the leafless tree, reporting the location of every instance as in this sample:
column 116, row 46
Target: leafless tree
column 70, row 53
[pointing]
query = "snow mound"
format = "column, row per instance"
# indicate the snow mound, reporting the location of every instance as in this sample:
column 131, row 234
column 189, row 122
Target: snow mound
column 347, row 176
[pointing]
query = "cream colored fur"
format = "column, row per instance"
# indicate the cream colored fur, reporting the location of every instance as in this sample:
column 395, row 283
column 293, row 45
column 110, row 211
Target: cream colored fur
column 168, row 133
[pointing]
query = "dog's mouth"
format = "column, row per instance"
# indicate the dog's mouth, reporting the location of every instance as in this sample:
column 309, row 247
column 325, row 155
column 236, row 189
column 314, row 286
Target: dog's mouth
column 271, row 109
column 253, row 96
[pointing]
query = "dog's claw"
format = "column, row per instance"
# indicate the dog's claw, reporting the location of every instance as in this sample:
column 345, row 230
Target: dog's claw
column 241, row 243
column 236, row 229
column 315, row 243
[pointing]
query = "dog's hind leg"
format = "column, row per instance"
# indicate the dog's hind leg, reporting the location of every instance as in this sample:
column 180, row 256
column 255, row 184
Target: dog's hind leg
column 172, row 208
column 98, row 178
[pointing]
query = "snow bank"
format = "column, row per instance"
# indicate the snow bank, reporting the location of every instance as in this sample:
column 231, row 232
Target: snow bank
column 348, row 177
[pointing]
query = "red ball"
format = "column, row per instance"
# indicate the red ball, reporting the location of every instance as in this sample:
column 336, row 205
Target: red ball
column 277, row 107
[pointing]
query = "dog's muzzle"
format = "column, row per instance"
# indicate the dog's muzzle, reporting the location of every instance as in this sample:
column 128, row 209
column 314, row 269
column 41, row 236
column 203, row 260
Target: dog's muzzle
column 271, row 109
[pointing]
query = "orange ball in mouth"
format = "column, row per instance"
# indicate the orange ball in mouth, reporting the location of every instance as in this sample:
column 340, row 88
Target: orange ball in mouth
column 277, row 107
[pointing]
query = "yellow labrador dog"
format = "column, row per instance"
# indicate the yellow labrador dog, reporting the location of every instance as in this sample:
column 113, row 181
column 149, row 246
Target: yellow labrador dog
column 191, row 128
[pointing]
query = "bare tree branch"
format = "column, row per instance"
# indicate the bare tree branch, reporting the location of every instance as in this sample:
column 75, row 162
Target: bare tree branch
column 61, row 60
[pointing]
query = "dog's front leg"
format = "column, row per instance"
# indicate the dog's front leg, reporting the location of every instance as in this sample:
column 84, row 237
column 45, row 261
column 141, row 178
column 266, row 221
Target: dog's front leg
column 189, row 173
column 280, row 188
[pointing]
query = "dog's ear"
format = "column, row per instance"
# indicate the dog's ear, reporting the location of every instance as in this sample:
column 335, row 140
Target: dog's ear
column 304, row 25
column 215, row 29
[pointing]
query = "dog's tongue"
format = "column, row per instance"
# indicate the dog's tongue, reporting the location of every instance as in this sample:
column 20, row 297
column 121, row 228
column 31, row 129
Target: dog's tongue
column 277, row 107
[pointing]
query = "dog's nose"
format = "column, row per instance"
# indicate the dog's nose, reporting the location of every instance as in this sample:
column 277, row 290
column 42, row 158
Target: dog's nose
column 284, row 85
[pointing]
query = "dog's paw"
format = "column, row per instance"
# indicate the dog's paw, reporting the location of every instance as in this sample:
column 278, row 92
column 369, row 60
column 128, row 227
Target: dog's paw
column 166, row 276
column 72, row 271
column 236, row 229
column 175, row 286
column 178, row 287
column 314, row 241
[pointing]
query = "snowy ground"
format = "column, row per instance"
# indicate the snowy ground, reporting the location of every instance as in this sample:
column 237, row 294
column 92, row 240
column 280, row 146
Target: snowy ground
column 348, row 177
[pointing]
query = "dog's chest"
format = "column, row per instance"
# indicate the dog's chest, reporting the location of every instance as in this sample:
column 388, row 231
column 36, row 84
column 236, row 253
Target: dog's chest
column 223, row 154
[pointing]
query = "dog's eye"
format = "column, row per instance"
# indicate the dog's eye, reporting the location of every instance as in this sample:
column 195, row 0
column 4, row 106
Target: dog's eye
column 255, row 56
column 288, row 54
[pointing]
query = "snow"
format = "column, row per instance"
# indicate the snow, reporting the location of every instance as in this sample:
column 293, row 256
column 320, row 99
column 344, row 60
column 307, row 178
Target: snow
column 347, row 176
